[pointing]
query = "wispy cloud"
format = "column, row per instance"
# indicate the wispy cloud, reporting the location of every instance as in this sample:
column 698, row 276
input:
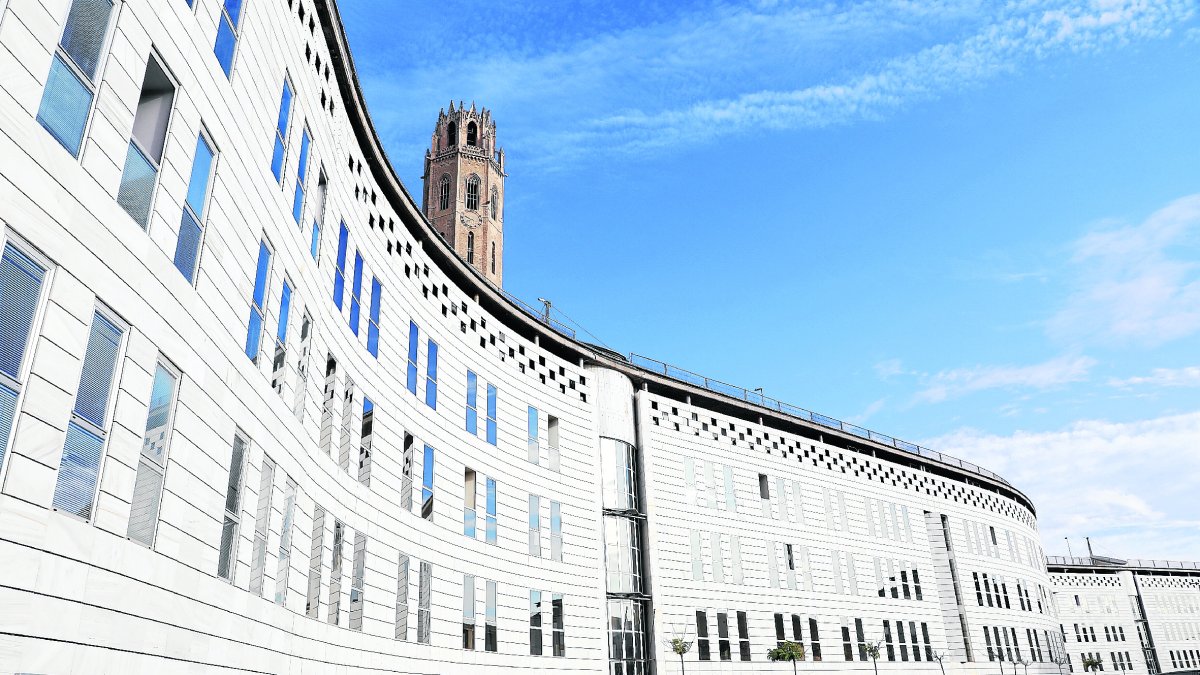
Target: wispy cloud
column 889, row 368
column 1130, row 486
column 960, row 381
column 1137, row 284
column 1162, row 377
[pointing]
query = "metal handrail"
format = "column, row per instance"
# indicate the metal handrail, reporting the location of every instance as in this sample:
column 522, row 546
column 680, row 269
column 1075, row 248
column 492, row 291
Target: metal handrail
column 757, row 398
column 1085, row 561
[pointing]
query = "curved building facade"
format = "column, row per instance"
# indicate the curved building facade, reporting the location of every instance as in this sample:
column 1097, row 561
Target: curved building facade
column 256, row 415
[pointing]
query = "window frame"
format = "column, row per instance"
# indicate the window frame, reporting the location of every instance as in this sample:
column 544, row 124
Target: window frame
column 156, row 56
column 300, row 196
column 207, row 200
column 168, row 434
column 264, row 243
column 472, row 182
column 236, row 516
column 92, row 84
column 444, row 192
column 236, row 29
column 282, row 135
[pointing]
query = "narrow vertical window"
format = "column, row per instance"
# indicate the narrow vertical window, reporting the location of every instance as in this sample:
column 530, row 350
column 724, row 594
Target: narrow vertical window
column 339, row 270
column 815, row 636
column 491, row 414
column 473, row 193
column 344, row 449
column 535, row 526
column 556, row 531
column 470, row 248
column 469, row 494
column 71, row 84
column 489, row 618
column 427, row 467
column 490, row 524
column 262, row 526
column 472, row 412
column 356, row 292
column 191, row 227
column 366, row 440
column 431, row 364
column 468, row 625
column 764, row 493
column 335, row 574
column 557, row 625
column 142, row 160
column 535, row 623
column 424, row 602
column 698, row 558
column 281, row 129
column 20, row 294
column 356, row 580
column 743, row 637
column 227, row 34
column 152, row 465
column 493, row 257
column 406, row 472
column 75, row 490
column 285, row 542
column 703, row 651
column 414, row 344
column 312, row 606
column 402, row 597
column 472, row 134
column 318, row 213
column 532, row 443
column 301, row 177
column 552, row 441
column 723, row 636
column 444, row 193
column 494, row 204
column 302, row 366
column 279, row 362
column 327, row 402
column 227, row 559
column 373, row 318
column 258, row 301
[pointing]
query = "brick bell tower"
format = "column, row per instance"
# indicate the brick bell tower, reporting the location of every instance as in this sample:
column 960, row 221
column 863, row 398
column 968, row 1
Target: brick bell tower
column 464, row 188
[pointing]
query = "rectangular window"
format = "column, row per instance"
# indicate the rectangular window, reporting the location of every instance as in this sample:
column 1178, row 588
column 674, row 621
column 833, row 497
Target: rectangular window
column 356, row 581
column 469, row 502
column 552, row 440
column 815, row 636
column 227, row 36
column 472, row 412
column 743, row 637
column 847, row 643
column 414, row 344
column 406, row 472
column 534, row 449
column 262, row 526
column 279, row 362
column 427, row 484
column 344, row 449
column 373, row 318
column 301, row 176
column 723, row 636
column 20, row 294
column 859, row 633
column 335, row 574
column 285, row 542
column 152, row 465
column 281, row 129
column 71, row 84
column 339, row 270
column 402, row 598
column 703, row 651
column 431, row 365
column 697, row 559
column 557, row 625
column 490, row 526
column 424, row 602
column 312, row 607
column 735, row 555
column 258, row 301
column 318, row 214
column 142, row 160
column 468, row 626
column 191, row 227
column 491, row 414
column 764, row 494
column 489, row 618
column 535, row 623
column 535, row 526
column 730, row 490
column 356, row 292
column 227, row 558
column 79, row 470
column 556, row 531
column 366, row 440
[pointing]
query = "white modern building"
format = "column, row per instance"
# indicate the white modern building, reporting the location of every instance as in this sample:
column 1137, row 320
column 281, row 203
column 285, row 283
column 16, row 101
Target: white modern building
column 256, row 415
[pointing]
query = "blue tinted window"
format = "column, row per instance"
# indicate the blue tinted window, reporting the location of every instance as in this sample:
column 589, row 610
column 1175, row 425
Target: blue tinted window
column 83, row 36
column 285, row 111
column 356, row 292
column 413, row 336
column 491, row 511
column 20, row 290
column 285, row 304
column 234, row 9
column 491, row 414
column 339, row 272
column 431, row 376
column 254, row 334
column 201, row 173
column 99, row 364
column 225, row 45
column 298, row 200
column 316, row 238
column 373, row 324
column 427, row 467
column 472, row 411
column 187, row 247
column 136, row 191
column 65, row 105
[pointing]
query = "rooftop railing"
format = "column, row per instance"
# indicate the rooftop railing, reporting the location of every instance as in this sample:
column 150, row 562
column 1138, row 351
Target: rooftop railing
column 756, row 397
column 1085, row 561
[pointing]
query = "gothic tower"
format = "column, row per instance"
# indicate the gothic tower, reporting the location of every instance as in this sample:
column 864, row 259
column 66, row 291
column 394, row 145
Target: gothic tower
column 464, row 188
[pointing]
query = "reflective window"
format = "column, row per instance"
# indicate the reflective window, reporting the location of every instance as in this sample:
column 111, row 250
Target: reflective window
column 469, row 490
column 491, row 414
column 413, row 346
column 427, row 467
column 227, row 34
column 227, row 557
column 312, row 607
column 339, row 271
column 468, row 625
column 187, row 247
column 556, row 531
column 627, row 649
column 535, row 526
column 357, row 589
column 472, row 413
column 356, row 292
column 535, row 623
column 285, row 542
column 146, row 144
column 534, row 448
column 366, row 441
column 491, row 511
column 258, row 300
column 373, row 320
column 623, row 554
column 431, row 365
column 262, row 525
column 489, row 633
column 70, row 86
column 559, row 639
column 147, row 487
column 424, row 602
column 281, row 129
column 618, row 472
column 301, row 176
column 279, row 362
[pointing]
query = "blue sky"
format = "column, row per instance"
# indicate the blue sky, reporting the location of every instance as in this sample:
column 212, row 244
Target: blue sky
column 972, row 225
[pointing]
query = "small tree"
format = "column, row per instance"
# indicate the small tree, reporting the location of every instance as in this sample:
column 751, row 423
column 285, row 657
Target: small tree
column 940, row 657
column 873, row 652
column 787, row 651
column 680, row 646
column 1060, row 661
column 1091, row 663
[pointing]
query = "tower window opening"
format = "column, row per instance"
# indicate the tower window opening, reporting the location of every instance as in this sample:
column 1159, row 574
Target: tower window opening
column 470, row 248
column 493, row 203
column 472, row 134
column 473, row 193
column 452, row 134
column 493, row 257
column 444, row 193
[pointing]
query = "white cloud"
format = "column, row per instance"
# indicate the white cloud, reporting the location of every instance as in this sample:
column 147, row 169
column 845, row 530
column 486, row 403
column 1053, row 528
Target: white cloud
column 1137, row 283
column 1130, row 486
column 952, row 383
column 889, row 368
column 1163, row 377
column 867, row 414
